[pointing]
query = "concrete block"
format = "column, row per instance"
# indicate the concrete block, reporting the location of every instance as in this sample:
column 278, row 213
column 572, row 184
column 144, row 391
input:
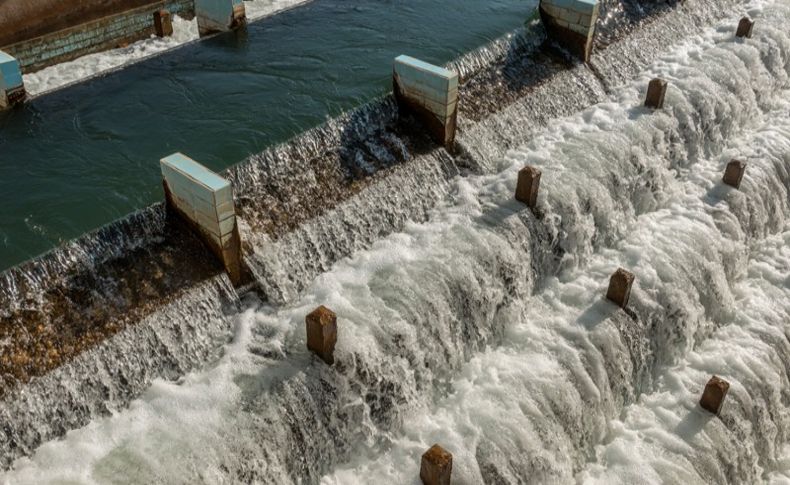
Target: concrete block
column 571, row 24
column 713, row 397
column 745, row 27
column 430, row 93
column 163, row 23
column 436, row 466
column 528, row 186
column 322, row 333
column 656, row 92
column 219, row 15
column 582, row 6
column 12, row 86
column 733, row 174
column 205, row 201
column 620, row 287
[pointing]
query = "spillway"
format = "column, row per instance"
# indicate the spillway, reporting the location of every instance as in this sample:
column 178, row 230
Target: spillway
column 464, row 317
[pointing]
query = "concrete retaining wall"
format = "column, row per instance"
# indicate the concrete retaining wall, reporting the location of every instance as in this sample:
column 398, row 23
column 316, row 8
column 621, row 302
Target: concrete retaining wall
column 430, row 92
column 571, row 23
column 219, row 15
column 12, row 87
column 82, row 28
column 205, row 201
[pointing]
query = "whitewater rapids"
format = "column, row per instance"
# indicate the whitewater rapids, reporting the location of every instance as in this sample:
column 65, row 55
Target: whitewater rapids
column 484, row 329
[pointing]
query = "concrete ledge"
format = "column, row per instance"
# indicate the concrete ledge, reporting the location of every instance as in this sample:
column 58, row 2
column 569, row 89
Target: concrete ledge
column 205, row 201
column 94, row 35
column 12, row 86
column 431, row 93
column 219, row 15
column 571, row 23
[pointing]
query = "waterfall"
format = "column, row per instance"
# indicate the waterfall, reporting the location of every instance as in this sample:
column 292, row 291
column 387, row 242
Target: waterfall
column 464, row 317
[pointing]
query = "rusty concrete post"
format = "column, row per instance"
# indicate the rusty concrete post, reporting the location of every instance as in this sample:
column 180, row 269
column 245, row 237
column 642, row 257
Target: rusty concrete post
column 322, row 333
column 745, row 27
column 12, row 85
column 656, row 91
column 713, row 397
column 571, row 24
column 436, row 466
column 528, row 186
column 733, row 174
column 163, row 23
column 219, row 15
column 430, row 93
column 620, row 287
column 205, row 201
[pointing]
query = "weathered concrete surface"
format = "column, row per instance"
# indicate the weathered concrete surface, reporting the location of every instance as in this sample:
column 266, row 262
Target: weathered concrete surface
column 321, row 327
column 528, row 186
column 745, row 28
column 12, row 87
column 431, row 93
column 436, row 466
column 40, row 33
column 656, row 94
column 620, row 286
column 219, row 15
column 733, row 174
column 205, row 201
column 713, row 397
column 571, row 23
column 163, row 23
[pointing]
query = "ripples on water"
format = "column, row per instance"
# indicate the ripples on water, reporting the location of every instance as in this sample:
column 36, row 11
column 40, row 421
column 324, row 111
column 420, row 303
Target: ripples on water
column 483, row 328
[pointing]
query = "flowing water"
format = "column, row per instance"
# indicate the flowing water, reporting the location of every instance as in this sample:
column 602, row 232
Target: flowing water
column 464, row 318
column 81, row 157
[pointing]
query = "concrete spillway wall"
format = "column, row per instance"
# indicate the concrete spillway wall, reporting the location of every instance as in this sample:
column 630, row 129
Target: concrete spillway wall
column 40, row 33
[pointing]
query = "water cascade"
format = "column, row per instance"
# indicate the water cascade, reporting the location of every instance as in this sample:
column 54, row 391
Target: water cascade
column 463, row 316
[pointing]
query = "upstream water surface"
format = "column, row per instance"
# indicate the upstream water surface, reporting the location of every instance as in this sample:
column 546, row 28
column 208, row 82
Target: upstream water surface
column 84, row 156
column 483, row 328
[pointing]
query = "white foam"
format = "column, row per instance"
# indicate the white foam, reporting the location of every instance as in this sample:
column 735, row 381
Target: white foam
column 543, row 398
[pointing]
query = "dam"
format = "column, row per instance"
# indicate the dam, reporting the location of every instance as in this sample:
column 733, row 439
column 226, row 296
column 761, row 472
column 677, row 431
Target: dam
column 466, row 315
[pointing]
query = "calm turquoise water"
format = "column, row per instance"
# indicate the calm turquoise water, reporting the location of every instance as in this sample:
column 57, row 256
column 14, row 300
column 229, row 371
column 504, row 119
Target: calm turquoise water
column 79, row 158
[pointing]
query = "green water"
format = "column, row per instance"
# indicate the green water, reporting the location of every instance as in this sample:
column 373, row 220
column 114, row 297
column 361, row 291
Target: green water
column 84, row 156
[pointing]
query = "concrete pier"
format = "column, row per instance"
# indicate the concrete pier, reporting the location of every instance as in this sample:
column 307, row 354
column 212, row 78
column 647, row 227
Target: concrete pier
column 571, row 23
column 322, row 333
column 620, row 285
column 733, row 174
column 436, row 466
column 528, row 186
column 656, row 92
column 163, row 23
column 745, row 27
column 430, row 93
column 714, row 395
column 12, row 86
column 219, row 15
column 205, row 201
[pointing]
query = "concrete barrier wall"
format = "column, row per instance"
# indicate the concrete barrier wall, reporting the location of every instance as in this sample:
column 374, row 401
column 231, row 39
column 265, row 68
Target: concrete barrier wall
column 205, row 201
column 12, row 87
column 571, row 23
column 219, row 15
column 79, row 31
column 431, row 92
